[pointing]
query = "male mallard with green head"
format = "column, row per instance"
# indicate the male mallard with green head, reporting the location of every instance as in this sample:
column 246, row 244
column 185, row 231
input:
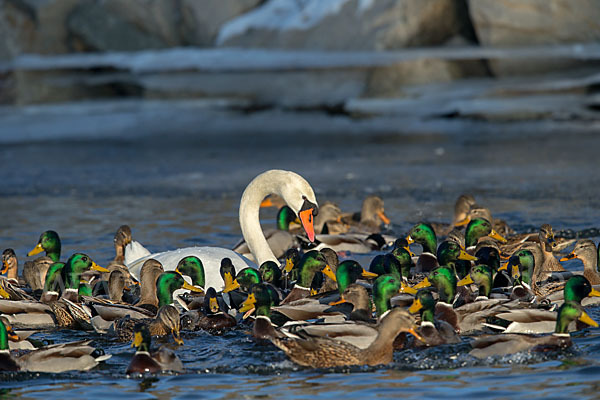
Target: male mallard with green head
column 433, row 331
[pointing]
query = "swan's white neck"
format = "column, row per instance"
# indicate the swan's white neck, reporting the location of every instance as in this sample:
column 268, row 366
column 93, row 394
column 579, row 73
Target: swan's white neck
column 288, row 185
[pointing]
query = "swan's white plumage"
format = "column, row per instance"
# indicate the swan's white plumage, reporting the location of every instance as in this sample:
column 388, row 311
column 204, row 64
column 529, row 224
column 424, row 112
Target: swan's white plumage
column 211, row 260
column 293, row 188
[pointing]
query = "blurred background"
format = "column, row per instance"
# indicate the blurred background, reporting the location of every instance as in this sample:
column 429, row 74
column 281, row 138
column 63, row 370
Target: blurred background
column 157, row 113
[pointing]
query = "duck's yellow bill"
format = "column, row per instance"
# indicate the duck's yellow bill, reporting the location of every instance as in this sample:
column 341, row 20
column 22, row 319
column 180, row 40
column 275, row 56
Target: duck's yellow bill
column 249, row 303
column 467, row 280
column 213, row 304
column 383, row 217
column 12, row 336
column 313, row 292
column 329, row 273
column 36, row 250
column 415, row 307
column 594, row 293
column 192, row 287
column 232, row 286
column 515, row 272
column 289, row 265
column 495, row 235
column 410, row 253
column 569, row 257
column 404, row 288
column 423, row 284
column 367, row 274
column 587, row 319
column 466, row 256
column 503, row 267
column 4, row 294
column 409, row 239
column 98, row 268
column 137, row 339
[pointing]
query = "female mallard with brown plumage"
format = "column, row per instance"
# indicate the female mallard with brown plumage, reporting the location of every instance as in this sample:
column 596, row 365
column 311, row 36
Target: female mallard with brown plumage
column 323, row 352
column 586, row 251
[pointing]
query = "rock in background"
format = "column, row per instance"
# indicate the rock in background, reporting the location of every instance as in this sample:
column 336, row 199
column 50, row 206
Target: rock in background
column 514, row 23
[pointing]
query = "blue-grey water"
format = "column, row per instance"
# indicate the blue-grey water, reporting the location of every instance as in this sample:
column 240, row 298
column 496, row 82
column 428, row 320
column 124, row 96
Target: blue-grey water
column 177, row 191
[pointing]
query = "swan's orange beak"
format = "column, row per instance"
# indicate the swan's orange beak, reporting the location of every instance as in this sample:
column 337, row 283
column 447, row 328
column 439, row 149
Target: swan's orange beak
column 306, row 217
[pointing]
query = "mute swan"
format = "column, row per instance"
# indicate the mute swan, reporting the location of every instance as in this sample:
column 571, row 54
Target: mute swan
column 295, row 190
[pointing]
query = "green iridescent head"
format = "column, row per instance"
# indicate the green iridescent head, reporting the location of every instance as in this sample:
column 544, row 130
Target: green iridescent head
column 3, row 336
column 270, row 273
column 169, row 282
column 192, row 266
column 348, row 272
column 248, row 277
column 404, row 258
column 260, row 298
column 384, row 288
column 76, row 265
column 444, row 280
column 478, row 228
column 577, row 288
column 520, row 265
column 311, row 263
column 285, row 216
column 481, row 275
column 569, row 312
column 50, row 243
column 423, row 234
column 424, row 304
column 54, row 280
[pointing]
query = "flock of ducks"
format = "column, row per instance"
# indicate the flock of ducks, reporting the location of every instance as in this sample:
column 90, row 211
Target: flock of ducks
column 473, row 280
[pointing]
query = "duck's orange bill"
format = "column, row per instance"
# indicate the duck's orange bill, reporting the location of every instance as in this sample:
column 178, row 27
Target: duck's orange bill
column 12, row 336
column 306, row 217
column 409, row 239
column 569, row 257
column 503, row 267
column 413, row 332
column 176, row 337
column 267, row 203
column 463, row 222
column 383, row 217
column 4, row 267
column 340, row 301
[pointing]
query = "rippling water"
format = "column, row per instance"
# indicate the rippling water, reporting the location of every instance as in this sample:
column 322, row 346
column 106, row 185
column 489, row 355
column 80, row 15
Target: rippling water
column 179, row 191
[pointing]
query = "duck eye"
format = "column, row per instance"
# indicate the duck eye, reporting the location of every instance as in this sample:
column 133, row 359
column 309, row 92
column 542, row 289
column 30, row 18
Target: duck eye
column 84, row 259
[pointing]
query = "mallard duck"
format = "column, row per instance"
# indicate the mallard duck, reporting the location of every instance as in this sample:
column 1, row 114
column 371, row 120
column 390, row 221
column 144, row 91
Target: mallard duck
column 550, row 263
column 450, row 253
column 322, row 352
column 434, row 332
column 260, row 301
column 298, row 195
column 461, row 208
column 333, row 261
column 149, row 274
column 384, row 288
column 270, row 273
column 145, row 361
column 348, row 272
column 404, row 257
column 586, row 251
column 166, row 322
column 279, row 239
column 72, row 356
column 329, row 220
column 312, row 262
column 10, row 266
column 478, row 211
column 531, row 321
column 510, row 343
column 370, row 217
column 423, row 234
column 482, row 276
column 122, row 238
column 214, row 320
column 358, row 297
column 479, row 228
column 168, row 283
column 352, row 242
column 35, row 271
